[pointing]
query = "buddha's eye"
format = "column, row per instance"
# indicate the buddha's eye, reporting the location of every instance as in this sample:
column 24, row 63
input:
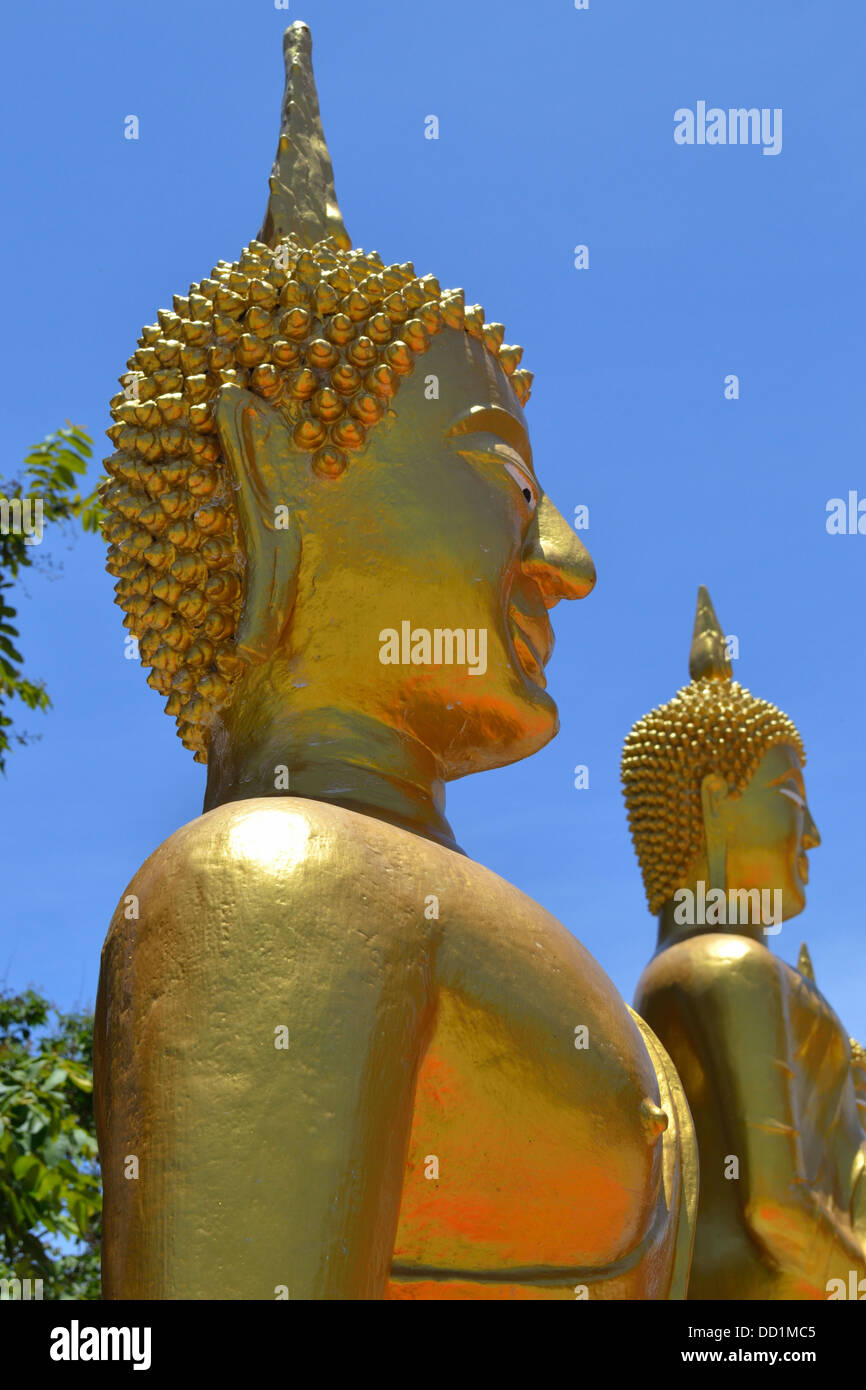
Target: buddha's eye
column 792, row 792
column 525, row 483
column 513, row 463
column 517, row 469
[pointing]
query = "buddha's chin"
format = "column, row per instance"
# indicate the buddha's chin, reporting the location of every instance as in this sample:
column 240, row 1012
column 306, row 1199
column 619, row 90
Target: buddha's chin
column 513, row 731
column 479, row 724
column 797, row 901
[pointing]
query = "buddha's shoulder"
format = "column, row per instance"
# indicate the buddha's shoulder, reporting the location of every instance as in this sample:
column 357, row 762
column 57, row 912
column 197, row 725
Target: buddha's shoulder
column 279, row 858
column 291, row 849
column 711, row 963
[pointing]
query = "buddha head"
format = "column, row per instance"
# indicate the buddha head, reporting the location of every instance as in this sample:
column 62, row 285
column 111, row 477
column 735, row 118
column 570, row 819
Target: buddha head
column 323, row 492
column 714, row 786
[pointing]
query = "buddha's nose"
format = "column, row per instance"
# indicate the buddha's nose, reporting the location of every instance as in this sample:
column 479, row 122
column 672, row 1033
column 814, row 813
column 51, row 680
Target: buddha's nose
column 811, row 835
column 555, row 558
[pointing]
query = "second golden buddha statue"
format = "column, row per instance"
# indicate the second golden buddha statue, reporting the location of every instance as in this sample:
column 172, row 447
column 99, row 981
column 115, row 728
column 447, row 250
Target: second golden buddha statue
column 717, row 806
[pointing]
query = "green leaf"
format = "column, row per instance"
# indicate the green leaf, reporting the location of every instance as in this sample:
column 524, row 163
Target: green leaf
column 7, row 647
column 28, row 1170
column 50, row 471
column 82, row 1081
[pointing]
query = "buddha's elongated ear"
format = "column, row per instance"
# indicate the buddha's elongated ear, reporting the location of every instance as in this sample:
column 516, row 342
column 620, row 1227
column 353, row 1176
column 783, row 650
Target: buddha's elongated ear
column 714, row 795
column 257, row 446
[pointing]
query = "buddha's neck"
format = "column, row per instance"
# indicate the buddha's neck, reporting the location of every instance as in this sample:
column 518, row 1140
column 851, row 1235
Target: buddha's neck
column 331, row 755
column 671, row 931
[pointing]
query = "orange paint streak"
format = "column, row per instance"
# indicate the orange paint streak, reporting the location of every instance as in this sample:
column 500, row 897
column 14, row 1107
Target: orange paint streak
column 460, row 1291
column 517, row 1183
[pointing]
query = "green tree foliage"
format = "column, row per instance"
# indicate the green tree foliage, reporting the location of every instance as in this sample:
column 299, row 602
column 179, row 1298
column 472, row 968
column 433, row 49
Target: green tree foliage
column 49, row 1171
column 48, row 474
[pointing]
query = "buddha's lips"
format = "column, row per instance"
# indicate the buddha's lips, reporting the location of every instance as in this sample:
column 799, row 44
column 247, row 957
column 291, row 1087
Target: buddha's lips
column 533, row 641
column 803, row 867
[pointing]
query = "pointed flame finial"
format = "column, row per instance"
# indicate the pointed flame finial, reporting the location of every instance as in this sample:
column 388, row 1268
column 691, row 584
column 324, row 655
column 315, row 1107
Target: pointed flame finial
column 708, row 657
column 804, row 963
column 302, row 201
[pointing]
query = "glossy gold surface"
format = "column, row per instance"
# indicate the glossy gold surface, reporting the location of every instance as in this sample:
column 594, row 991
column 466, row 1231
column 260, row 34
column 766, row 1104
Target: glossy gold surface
column 409, row 1038
column 771, row 1076
column 335, row 1058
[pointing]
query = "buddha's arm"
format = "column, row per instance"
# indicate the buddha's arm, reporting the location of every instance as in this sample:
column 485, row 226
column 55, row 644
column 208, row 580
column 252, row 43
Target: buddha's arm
column 858, row 1060
column 744, row 1035
column 858, row 1201
column 680, row 1154
column 257, row 1036
column 588, row 1107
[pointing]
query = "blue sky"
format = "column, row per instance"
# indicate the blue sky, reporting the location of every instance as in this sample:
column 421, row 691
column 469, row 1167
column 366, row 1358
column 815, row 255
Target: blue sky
column 556, row 128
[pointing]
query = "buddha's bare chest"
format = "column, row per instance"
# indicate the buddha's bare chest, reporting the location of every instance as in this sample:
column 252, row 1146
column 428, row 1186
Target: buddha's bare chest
column 526, row 1163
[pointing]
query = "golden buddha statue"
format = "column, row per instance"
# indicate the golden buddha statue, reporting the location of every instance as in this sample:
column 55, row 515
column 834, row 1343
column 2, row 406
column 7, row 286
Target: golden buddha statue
column 718, row 813
column 335, row 1058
